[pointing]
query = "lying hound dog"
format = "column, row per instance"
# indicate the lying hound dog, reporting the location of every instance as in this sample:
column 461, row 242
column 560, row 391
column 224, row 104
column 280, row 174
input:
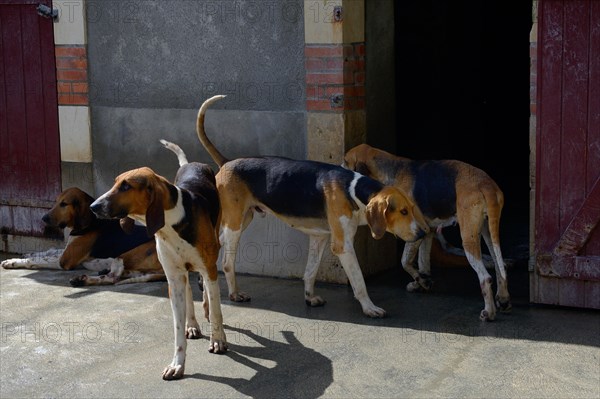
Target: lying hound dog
column 184, row 218
column 319, row 199
column 96, row 245
column 447, row 192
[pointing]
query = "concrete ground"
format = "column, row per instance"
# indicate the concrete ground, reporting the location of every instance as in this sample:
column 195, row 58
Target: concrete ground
column 113, row 342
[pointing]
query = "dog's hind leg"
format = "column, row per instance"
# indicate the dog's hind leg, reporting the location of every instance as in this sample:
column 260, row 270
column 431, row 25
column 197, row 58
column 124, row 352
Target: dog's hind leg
column 114, row 264
column 235, row 220
column 488, row 261
column 470, row 221
column 502, row 295
column 230, row 240
column 140, row 277
column 316, row 246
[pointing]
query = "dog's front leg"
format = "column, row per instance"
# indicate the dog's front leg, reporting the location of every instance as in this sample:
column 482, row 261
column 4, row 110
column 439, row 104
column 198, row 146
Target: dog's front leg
column 351, row 267
column 218, row 341
column 411, row 249
column 343, row 230
column 424, row 261
column 177, row 291
column 37, row 260
column 192, row 328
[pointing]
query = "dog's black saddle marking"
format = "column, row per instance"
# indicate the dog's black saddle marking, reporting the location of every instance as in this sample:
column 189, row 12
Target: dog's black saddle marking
column 113, row 241
column 434, row 188
column 291, row 187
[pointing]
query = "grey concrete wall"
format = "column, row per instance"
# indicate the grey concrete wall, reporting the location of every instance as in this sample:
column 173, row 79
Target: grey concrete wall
column 78, row 174
column 175, row 53
column 127, row 138
column 152, row 63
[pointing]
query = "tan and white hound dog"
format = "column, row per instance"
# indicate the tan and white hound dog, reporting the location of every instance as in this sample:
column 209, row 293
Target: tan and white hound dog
column 447, row 192
column 184, row 219
column 95, row 244
column 319, row 199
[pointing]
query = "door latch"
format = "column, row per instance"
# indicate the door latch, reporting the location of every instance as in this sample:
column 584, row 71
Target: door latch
column 47, row 12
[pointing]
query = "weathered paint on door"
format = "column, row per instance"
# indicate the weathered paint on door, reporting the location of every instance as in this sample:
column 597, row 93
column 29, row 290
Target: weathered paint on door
column 29, row 140
column 567, row 208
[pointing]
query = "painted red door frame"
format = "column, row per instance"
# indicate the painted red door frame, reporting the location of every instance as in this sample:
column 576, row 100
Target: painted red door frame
column 567, row 199
column 29, row 138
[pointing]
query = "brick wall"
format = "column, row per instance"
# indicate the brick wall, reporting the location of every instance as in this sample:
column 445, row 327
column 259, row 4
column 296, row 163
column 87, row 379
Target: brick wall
column 335, row 77
column 71, row 71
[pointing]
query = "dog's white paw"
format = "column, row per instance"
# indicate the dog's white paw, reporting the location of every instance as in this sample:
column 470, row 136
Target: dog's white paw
column 413, row 286
column 487, row 315
column 193, row 332
column 14, row 263
column 173, row 372
column 374, row 311
column 239, row 296
column 78, row 281
column 217, row 346
column 314, row 301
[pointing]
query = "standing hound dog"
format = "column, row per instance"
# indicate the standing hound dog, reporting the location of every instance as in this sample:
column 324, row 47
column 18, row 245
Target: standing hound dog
column 184, row 219
column 96, row 245
column 319, row 199
column 447, row 192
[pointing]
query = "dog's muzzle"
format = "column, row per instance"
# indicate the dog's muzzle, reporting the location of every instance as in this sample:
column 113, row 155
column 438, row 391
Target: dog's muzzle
column 420, row 234
column 100, row 208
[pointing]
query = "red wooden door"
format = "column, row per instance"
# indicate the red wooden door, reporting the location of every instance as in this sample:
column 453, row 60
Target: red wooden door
column 29, row 140
column 567, row 208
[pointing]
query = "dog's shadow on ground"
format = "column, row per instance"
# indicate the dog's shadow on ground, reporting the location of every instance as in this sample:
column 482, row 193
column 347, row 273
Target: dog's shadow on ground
column 299, row 371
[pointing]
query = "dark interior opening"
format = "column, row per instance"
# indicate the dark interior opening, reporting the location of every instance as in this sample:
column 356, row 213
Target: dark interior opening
column 462, row 92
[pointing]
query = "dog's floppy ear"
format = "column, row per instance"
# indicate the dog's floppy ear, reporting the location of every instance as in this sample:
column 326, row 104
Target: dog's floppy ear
column 376, row 217
column 83, row 217
column 362, row 168
column 155, row 213
column 127, row 224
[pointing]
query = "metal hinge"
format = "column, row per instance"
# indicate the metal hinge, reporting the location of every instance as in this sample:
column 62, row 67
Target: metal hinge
column 47, row 12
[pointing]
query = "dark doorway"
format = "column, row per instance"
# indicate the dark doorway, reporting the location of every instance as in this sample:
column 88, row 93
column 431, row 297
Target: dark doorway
column 462, row 76
column 462, row 92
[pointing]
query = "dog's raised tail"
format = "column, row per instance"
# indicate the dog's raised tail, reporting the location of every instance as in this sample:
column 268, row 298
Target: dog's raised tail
column 177, row 150
column 208, row 145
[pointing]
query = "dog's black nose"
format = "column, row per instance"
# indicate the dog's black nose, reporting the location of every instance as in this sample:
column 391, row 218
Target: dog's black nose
column 46, row 218
column 96, row 208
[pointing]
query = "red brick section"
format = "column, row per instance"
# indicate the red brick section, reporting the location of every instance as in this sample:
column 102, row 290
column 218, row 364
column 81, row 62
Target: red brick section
column 335, row 77
column 71, row 73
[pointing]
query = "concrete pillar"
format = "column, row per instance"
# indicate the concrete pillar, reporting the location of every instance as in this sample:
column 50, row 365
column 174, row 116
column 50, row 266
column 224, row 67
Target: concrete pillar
column 335, row 77
column 73, row 102
column 336, row 57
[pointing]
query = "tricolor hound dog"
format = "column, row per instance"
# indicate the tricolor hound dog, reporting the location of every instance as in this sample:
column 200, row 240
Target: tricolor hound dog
column 319, row 199
column 184, row 219
column 96, row 245
column 447, row 192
